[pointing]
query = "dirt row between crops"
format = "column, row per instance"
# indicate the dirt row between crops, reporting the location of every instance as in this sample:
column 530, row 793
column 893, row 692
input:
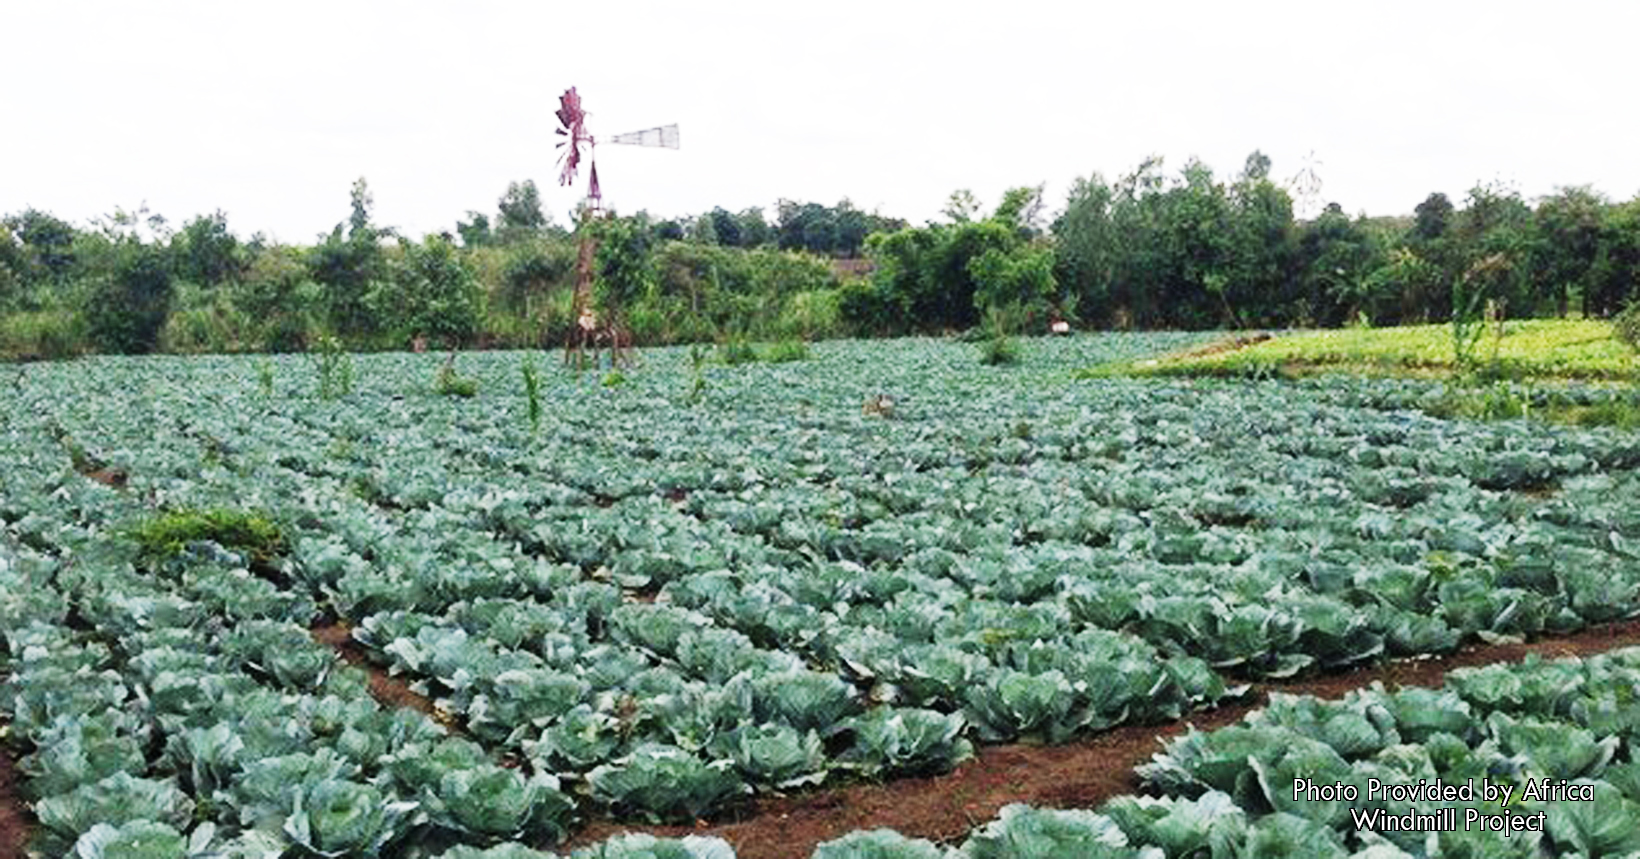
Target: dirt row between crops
column 1078, row 775
column 942, row 808
column 16, row 822
column 390, row 691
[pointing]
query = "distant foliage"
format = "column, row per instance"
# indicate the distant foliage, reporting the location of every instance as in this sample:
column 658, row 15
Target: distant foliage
column 1155, row 247
column 1627, row 325
column 438, row 297
column 128, row 302
column 735, row 349
column 787, row 351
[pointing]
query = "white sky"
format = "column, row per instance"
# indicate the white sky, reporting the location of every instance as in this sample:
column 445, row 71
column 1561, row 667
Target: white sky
column 269, row 111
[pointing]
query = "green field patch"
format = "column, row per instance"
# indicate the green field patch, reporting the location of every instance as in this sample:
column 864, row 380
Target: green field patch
column 1528, row 349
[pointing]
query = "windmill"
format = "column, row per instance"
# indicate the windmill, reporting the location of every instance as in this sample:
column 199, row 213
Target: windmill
column 589, row 330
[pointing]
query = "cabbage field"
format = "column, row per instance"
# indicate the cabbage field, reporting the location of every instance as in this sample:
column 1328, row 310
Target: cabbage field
column 680, row 588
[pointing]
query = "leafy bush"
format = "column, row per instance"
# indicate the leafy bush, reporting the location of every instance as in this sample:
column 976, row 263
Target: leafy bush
column 1627, row 325
column 48, row 335
column 128, row 304
column 735, row 350
column 437, row 295
column 787, row 350
column 449, row 383
column 869, row 309
column 170, row 533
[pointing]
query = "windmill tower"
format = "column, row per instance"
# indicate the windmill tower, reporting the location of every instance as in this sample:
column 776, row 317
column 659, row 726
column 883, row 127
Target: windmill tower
column 589, row 330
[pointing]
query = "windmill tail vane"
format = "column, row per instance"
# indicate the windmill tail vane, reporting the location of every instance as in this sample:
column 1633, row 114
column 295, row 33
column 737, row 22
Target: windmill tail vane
column 665, row 136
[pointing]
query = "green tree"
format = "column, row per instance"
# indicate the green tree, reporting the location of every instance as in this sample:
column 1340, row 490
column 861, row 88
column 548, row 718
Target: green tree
column 1259, row 286
column 437, row 295
column 521, row 216
column 1495, row 237
column 352, row 269
column 626, row 270
column 475, row 230
column 1434, row 216
column 129, row 298
column 12, row 265
column 726, row 229
column 1016, row 282
column 277, row 291
column 1022, row 209
column 46, row 246
column 853, row 226
column 1086, row 243
column 532, row 270
column 1336, row 256
column 1569, row 226
column 961, row 207
column 207, row 253
column 754, row 230
column 1615, row 281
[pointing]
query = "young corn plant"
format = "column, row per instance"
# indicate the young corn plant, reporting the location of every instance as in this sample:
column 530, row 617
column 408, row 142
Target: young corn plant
column 532, row 391
column 264, row 377
column 335, row 368
column 697, row 365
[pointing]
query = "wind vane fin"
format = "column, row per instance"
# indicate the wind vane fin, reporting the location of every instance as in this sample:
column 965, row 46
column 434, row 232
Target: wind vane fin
column 665, row 136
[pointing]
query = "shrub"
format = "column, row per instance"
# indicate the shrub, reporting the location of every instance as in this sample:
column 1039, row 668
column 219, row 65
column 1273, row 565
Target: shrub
column 171, row 532
column 126, row 307
column 735, row 350
column 787, row 350
column 1627, row 325
column 46, row 335
column 449, row 383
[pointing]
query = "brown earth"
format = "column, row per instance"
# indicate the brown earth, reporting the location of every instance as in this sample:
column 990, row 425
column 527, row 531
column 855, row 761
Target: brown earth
column 1078, row 775
column 945, row 807
column 1229, row 344
column 16, row 821
column 389, row 690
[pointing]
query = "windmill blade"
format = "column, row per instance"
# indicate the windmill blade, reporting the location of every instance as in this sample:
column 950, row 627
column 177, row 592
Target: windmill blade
column 569, row 110
column 665, row 136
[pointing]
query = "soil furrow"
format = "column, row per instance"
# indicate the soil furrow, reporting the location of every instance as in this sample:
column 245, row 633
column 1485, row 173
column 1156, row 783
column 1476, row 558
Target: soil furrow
column 1077, row 775
column 385, row 688
column 16, row 821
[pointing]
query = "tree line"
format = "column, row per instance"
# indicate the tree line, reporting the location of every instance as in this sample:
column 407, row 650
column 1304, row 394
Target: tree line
column 1151, row 249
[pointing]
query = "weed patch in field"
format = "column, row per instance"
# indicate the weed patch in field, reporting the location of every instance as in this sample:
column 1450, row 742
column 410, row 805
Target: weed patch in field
column 171, row 532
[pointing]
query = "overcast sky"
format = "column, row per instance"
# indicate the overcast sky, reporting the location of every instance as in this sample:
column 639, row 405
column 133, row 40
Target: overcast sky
column 269, row 111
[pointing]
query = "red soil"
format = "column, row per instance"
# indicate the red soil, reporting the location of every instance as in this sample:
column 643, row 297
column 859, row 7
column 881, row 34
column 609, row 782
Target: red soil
column 16, row 822
column 1077, row 775
column 942, row 808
